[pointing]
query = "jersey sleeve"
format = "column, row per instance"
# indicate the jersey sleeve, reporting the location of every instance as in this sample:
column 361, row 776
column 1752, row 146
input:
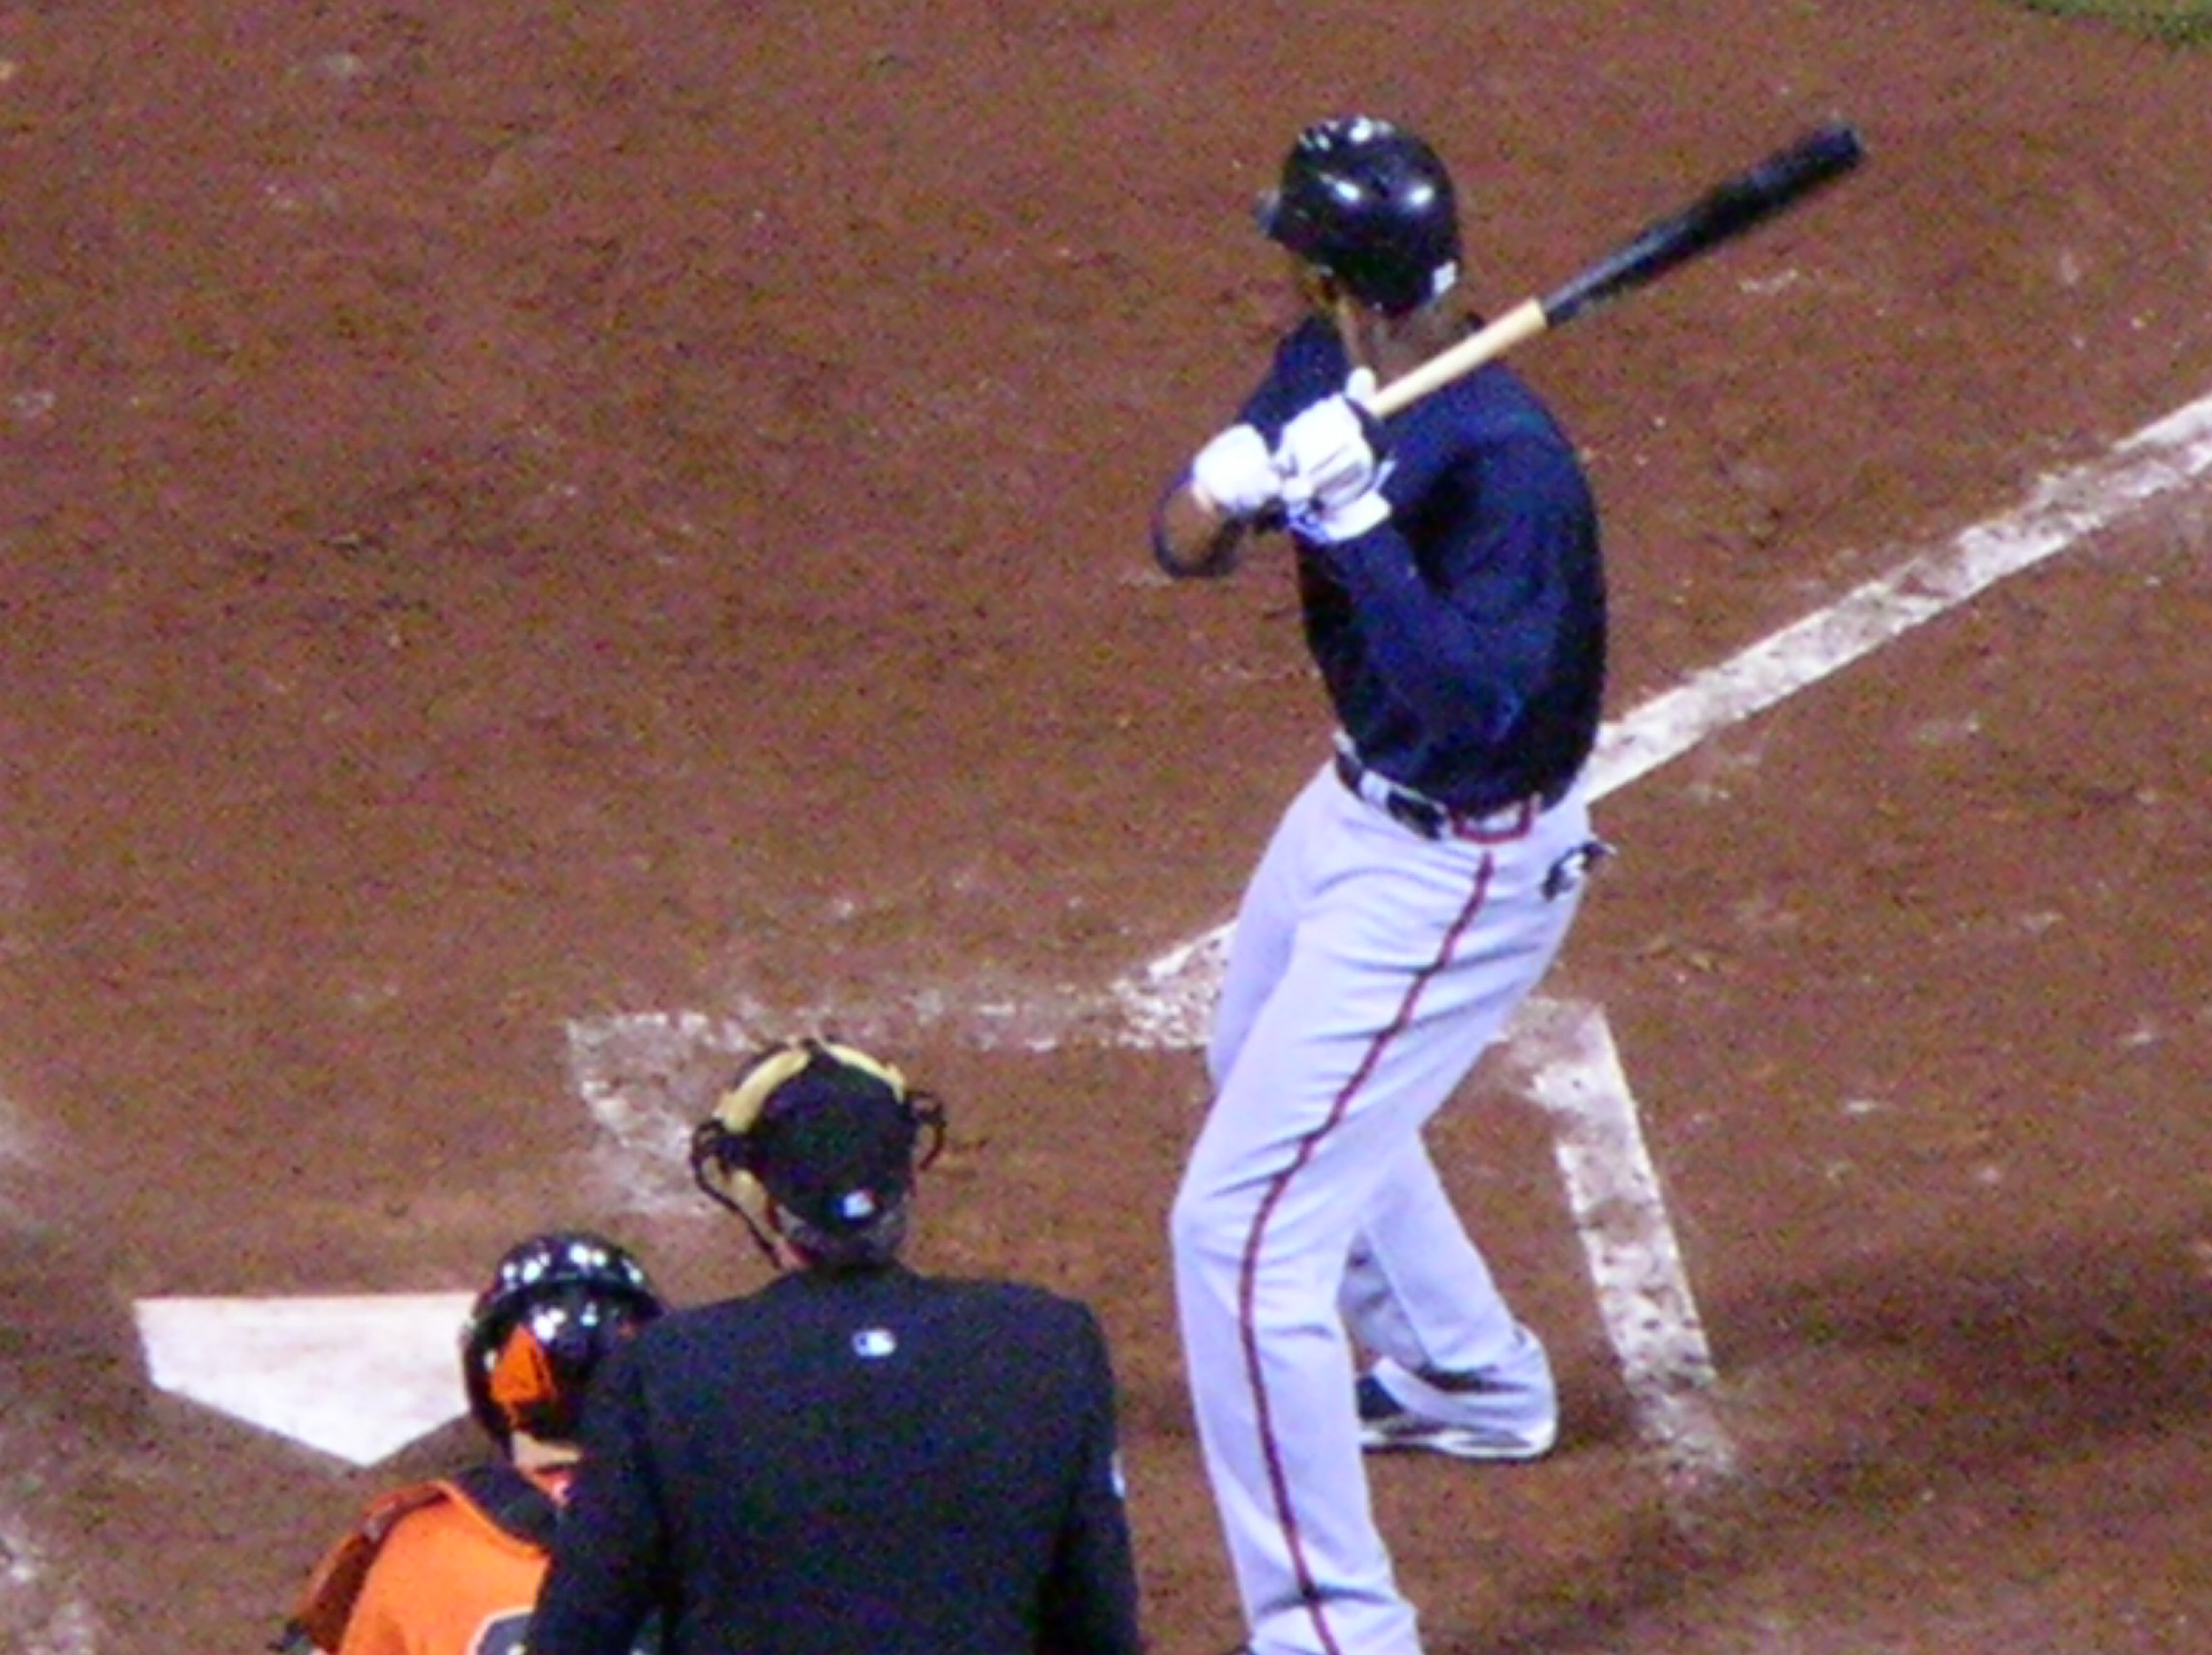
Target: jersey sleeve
column 1309, row 364
column 1090, row 1600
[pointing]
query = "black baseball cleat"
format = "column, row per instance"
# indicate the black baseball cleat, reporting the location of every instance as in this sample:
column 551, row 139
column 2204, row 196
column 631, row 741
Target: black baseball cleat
column 1387, row 1424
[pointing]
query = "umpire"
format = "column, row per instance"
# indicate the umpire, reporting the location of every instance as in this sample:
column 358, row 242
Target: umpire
column 856, row 1460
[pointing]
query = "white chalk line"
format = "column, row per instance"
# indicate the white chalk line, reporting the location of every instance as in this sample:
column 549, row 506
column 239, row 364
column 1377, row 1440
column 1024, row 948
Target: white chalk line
column 39, row 1611
column 1644, row 1295
column 16, row 1151
column 2062, row 511
column 33, row 1617
column 647, row 1078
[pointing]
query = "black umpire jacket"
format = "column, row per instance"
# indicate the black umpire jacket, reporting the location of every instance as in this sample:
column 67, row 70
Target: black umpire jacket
column 872, row 1463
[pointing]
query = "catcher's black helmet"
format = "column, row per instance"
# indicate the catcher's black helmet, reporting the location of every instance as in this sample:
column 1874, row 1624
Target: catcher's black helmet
column 1372, row 205
column 556, row 1305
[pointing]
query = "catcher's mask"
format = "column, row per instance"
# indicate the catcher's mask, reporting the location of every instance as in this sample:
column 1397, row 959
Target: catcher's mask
column 1371, row 206
column 556, row 1306
column 820, row 1129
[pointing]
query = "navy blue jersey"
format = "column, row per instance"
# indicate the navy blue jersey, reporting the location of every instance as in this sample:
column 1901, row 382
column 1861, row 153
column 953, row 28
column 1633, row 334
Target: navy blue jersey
column 1462, row 641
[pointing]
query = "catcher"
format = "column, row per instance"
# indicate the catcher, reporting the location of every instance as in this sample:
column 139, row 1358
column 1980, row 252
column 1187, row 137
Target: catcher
column 451, row 1567
column 858, row 1457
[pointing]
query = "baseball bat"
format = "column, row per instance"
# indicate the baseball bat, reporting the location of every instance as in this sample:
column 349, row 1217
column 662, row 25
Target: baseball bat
column 1720, row 215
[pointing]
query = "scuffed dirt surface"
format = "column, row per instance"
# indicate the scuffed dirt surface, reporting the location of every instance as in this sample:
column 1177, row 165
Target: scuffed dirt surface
column 513, row 516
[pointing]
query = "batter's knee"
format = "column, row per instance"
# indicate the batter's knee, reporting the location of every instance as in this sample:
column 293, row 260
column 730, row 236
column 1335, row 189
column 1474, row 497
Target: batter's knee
column 1200, row 1225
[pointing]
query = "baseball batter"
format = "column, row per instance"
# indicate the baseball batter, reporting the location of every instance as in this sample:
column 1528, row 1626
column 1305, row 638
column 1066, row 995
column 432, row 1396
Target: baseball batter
column 1418, row 887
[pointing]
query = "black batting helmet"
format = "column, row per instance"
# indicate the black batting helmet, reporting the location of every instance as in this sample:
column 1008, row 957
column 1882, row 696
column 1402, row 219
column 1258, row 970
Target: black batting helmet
column 555, row 1307
column 1372, row 205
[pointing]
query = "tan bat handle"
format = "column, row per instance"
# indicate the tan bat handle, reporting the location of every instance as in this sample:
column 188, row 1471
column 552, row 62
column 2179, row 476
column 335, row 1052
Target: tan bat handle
column 1524, row 321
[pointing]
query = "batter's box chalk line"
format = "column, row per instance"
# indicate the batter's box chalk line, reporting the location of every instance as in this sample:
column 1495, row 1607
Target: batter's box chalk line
column 39, row 1614
column 1571, row 1068
column 647, row 1078
column 20, row 1157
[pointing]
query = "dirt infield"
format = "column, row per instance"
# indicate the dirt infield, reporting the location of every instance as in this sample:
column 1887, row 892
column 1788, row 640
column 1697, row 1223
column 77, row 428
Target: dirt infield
column 515, row 518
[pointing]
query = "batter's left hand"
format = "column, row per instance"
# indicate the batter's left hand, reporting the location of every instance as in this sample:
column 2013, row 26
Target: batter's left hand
column 1331, row 460
column 1234, row 476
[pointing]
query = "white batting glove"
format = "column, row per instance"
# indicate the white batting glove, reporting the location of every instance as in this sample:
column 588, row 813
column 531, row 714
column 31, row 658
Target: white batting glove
column 1330, row 469
column 1234, row 475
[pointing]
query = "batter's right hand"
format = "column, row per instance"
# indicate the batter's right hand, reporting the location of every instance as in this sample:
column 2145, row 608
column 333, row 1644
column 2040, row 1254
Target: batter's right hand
column 1234, row 476
column 1331, row 465
column 1326, row 455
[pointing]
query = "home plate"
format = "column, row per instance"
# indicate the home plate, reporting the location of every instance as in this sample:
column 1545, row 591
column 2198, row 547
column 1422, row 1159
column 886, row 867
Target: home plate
column 359, row 1377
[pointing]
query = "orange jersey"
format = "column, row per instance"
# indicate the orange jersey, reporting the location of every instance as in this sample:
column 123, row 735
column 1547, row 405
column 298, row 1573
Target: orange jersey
column 447, row 1580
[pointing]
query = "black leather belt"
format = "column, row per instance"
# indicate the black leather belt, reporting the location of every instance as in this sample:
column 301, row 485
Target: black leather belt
column 1417, row 813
